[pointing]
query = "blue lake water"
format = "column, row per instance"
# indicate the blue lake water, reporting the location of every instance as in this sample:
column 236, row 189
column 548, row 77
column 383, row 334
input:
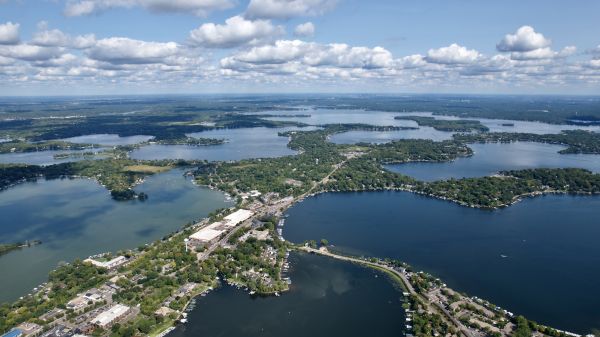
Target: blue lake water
column 43, row 157
column 329, row 116
column 327, row 298
column 550, row 270
column 491, row 158
column 378, row 137
column 241, row 144
column 77, row 218
column 107, row 139
column 498, row 125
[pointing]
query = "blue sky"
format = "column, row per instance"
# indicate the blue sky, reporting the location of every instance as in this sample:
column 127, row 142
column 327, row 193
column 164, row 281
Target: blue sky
column 198, row 46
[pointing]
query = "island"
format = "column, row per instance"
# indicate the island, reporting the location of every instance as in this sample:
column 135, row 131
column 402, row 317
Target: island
column 146, row 291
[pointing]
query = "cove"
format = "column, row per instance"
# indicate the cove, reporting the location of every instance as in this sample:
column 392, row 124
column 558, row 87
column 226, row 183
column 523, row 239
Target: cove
column 538, row 258
column 77, row 218
column 107, row 139
column 242, row 143
column 327, row 297
column 488, row 159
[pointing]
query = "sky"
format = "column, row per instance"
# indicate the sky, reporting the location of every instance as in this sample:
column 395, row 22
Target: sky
column 86, row 47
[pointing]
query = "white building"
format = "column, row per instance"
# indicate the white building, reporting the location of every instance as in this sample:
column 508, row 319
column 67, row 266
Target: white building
column 237, row 217
column 107, row 318
column 114, row 263
column 212, row 232
column 204, row 236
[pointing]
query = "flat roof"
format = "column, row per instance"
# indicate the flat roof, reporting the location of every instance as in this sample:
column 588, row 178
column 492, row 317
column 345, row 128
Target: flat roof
column 206, row 234
column 238, row 216
column 110, row 315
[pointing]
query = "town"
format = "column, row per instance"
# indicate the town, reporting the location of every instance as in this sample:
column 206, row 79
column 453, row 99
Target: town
column 149, row 290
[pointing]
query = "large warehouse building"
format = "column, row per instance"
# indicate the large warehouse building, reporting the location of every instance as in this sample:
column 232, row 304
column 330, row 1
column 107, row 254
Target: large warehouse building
column 212, row 232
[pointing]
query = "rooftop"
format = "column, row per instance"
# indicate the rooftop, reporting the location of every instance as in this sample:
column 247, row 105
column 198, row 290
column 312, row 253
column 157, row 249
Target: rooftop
column 237, row 217
column 110, row 315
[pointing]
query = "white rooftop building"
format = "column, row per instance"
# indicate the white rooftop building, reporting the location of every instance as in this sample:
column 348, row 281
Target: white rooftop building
column 205, row 235
column 114, row 263
column 213, row 231
column 237, row 217
column 110, row 316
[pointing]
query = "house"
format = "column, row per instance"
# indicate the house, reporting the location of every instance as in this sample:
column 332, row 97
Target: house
column 163, row 312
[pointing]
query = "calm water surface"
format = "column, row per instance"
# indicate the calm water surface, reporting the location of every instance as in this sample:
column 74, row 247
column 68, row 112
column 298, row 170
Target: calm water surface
column 491, row 158
column 77, row 218
column 43, row 157
column 539, row 257
column 328, row 298
column 241, row 144
column 328, row 116
column 107, row 139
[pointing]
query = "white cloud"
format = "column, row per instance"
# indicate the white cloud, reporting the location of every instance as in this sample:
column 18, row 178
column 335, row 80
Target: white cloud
column 120, row 50
column 453, row 54
column 27, row 52
column 235, row 32
column 9, row 33
column 305, row 29
column 285, row 9
column 313, row 54
column 524, row 40
column 543, row 54
column 55, row 38
column 196, row 7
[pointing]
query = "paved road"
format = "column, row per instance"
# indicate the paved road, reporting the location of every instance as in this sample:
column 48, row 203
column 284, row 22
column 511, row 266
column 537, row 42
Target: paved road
column 407, row 285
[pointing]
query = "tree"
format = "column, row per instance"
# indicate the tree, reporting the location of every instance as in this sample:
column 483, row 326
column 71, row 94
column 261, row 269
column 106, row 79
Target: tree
column 324, row 243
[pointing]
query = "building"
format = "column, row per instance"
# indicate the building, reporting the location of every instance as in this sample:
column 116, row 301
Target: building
column 111, row 264
column 237, row 217
column 30, row 329
column 58, row 331
column 211, row 233
column 109, row 317
column 163, row 312
column 205, row 236
column 82, row 301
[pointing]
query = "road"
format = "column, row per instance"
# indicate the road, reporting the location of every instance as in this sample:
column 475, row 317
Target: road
column 407, row 285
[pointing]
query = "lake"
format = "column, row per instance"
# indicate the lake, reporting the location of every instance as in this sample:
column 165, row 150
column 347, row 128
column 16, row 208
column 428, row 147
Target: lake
column 538, row 258
column 327, row 298
column 491, row 158
column 43, row 157
column 107, row 139
column 336, row 116
column 242, row 143
column 77, row 218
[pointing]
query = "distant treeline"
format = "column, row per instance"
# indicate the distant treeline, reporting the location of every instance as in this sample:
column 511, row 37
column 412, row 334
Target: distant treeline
column 577, row 141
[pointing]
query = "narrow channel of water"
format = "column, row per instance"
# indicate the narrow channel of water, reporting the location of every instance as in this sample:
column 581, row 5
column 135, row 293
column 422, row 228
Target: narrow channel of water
column 489, row 159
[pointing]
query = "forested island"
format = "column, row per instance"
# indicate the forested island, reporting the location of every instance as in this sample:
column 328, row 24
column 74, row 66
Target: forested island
column 18, row 146
column 9, row 247
column 452, row 125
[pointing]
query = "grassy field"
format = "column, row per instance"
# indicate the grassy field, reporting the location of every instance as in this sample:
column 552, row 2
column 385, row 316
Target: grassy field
column 146, row 169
